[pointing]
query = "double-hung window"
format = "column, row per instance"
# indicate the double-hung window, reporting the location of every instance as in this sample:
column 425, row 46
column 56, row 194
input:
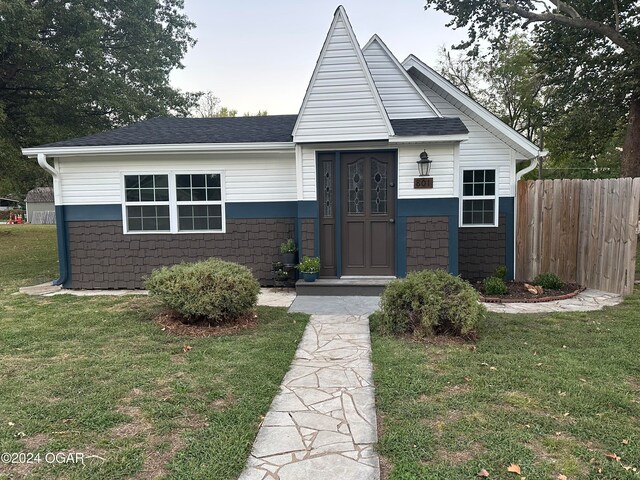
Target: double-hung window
column 479, row 198
column 147, row 203
column 173, row 202
column 199, row 199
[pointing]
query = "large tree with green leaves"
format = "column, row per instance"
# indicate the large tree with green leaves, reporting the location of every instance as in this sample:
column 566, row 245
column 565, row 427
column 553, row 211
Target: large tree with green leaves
column 589, row 49
column 74, row 68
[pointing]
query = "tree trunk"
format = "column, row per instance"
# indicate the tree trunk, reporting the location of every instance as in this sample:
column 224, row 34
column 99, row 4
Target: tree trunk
column 630, row 165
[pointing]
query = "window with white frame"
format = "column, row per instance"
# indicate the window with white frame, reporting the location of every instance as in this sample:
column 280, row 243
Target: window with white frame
column 479, row 195
column 173, row 203
column 147, row 203
column 199, row 199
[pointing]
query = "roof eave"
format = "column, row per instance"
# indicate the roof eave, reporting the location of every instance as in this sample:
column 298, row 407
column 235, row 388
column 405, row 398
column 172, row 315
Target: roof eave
column 158, row 148
column 530, row 148
column 460, row 137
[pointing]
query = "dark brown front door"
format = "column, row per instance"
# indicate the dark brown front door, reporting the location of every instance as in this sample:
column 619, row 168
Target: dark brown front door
column 368, row 192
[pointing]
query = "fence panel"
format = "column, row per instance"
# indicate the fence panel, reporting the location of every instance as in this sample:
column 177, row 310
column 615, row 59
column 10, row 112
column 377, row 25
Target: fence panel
column 582, row 230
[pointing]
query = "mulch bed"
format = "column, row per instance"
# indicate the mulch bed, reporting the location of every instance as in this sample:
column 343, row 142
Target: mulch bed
column 172, row 323
column 518, row 294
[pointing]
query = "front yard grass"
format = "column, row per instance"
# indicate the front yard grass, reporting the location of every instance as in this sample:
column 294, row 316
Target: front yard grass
column 552, row 393
column 96, row 375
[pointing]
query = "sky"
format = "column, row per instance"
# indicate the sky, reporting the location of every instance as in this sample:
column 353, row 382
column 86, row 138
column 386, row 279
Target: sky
column 259, row 55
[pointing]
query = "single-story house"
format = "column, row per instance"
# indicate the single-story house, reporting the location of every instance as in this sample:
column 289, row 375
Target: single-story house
column 8, row 204
column 40, row 206
column 341, row 177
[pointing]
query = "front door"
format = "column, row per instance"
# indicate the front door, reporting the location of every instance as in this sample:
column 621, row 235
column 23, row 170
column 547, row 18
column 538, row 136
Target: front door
column 368, row 192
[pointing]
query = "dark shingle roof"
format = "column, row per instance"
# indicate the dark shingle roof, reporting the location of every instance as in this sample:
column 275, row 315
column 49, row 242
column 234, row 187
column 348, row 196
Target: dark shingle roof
column 428, row 126
column 171, row 130
column 267, row 129
column 40, row 195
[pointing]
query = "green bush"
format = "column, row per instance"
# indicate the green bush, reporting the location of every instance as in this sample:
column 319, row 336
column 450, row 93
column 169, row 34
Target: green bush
column 288, row 247
column 494, row 286
column 212, row 290
column 309, row 265
column 548, row 281
column 430, row 302
column 501, row 272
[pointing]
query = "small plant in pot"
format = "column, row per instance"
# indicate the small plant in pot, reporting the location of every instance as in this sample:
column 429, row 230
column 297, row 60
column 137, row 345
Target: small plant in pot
column 310, row 268
column 288, row 250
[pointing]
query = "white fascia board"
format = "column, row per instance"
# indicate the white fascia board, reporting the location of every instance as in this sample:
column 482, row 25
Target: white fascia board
column 154, row 149
column 342, row 13
column 396, row 62
column 429, row 139
column 482, row 113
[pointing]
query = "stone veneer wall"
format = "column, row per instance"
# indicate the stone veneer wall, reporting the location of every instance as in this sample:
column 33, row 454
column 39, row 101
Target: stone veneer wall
column 427, row 243
column 481, row 250
column 307, row 246
column 102, row 257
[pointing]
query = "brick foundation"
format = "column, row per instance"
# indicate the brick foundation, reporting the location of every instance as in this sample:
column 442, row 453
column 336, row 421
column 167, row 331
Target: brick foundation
column 481, row 250
column 102, row 257
column 427, row 243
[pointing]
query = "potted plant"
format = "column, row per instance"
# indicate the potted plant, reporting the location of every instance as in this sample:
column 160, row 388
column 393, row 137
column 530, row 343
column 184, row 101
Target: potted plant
column 288, row 250
column 310, row 268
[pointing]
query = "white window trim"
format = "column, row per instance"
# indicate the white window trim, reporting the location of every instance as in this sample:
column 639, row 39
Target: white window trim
column 173, row 203
column 495, row 198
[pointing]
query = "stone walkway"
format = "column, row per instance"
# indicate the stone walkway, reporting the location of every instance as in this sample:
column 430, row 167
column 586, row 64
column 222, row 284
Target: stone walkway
column 330, row 305
column 586, row 301
column 322, row 424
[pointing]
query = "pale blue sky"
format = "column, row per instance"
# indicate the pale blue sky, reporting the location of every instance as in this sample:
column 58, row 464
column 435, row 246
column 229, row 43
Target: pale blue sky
column 258, row 55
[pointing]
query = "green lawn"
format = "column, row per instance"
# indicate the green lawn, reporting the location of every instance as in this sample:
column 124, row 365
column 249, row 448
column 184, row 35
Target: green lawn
column 551, row 393
column 97, row 376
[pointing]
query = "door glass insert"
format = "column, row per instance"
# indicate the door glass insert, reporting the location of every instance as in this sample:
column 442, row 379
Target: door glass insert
column 328, row 188
column 356, row 187
column 378, row 187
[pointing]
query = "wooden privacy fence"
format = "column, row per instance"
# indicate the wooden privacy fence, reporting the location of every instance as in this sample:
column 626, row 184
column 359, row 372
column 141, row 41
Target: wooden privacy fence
column 582, row 230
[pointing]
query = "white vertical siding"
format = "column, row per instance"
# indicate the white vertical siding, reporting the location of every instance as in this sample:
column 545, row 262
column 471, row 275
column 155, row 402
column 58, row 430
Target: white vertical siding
column 482, row 149
column 341, row 104
column 255, row 177
column 399, row 96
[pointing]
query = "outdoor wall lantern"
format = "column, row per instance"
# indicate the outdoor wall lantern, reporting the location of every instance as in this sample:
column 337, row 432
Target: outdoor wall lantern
column 424, row 164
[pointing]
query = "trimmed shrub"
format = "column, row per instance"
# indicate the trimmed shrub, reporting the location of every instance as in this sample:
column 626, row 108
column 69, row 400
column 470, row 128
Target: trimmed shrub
column 430, row 302
column 548, row 281
column 212, row 290
column 495, row 286
column 501, row 272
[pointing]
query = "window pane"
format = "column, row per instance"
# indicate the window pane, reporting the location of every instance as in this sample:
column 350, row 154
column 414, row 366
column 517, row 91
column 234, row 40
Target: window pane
column 185, row 210
column 490, row 176
column 467, row 189
column 199, row 210
column 477, row 218
column 135, row 224
column 134, row 212
column 163, row 210
column 162, row 181
column 133, row 195
column 215, row 223
column 149, row 211
column 149, row 224
column 478, row 189
column 184, row 195
column 478, row 176
column 213, row 194
column 146, row 195
column 131, row 181
column 197, row 181
column 490, row 189
column 200, row 223
column 163, row 223
column 213, row 180
column 467, row 176
column 146, row 181
column 183, row 180
column 215, row 210
column 488, row 217
column 199, row 194
column 162, row 195
column 466, row 218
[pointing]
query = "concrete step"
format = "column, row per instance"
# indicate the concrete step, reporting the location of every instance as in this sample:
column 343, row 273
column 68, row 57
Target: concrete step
column 353, row 286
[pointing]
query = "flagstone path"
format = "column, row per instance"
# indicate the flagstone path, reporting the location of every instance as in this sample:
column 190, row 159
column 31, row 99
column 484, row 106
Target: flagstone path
column 322, row 424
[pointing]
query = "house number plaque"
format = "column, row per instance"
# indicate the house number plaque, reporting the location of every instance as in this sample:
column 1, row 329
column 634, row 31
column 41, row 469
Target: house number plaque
column 423, row 182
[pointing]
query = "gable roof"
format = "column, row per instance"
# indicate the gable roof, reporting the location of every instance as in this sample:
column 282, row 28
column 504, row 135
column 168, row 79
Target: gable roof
column 40, row 195
column 172, row 130
column 341, row 101
column 400, row 95
column 477, row 112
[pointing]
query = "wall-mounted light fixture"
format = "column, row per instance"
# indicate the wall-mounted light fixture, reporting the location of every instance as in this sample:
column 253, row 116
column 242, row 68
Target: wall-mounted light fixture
column 424, row 164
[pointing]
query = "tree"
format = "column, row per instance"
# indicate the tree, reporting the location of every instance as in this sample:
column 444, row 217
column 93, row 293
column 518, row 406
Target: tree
column 226, row 112
column 74, row 68
column 260, row 113
column 592, row 37
column 208, row 105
